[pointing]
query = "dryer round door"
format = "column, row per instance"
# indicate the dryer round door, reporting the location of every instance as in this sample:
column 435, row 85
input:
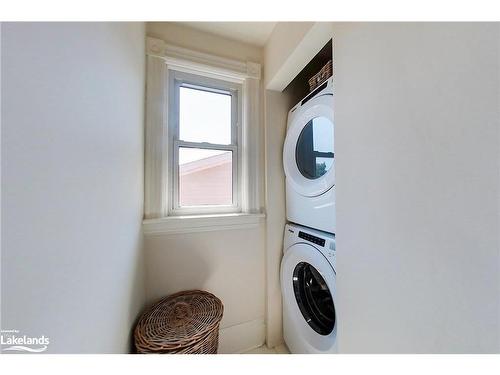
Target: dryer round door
column 308, row 282
column 308, row 153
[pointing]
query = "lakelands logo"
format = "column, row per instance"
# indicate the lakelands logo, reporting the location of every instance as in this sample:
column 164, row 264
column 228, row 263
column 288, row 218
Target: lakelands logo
column 12, row 341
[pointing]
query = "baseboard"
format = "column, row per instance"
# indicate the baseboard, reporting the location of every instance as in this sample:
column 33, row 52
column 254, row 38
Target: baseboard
column 242, row 337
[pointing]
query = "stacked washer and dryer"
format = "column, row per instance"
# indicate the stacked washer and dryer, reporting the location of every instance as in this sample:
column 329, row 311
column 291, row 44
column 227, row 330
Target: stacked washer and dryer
column 308, row 265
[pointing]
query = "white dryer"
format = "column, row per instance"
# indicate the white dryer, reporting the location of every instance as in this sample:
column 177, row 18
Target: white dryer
column 309, row 163
column 308, row 289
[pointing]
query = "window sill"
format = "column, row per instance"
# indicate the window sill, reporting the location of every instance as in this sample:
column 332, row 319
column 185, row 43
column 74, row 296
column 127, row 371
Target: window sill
column 200, row 223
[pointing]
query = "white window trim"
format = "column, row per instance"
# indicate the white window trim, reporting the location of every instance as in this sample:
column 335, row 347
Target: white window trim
column 200, row 223
column 176, row 80
column 162, row 60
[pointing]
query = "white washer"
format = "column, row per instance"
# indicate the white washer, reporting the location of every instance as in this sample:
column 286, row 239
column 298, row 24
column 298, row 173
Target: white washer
column 308, row 289
column 308, row 161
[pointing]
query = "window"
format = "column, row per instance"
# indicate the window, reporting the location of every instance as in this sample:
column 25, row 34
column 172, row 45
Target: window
column 203, row 167
column 204, row 143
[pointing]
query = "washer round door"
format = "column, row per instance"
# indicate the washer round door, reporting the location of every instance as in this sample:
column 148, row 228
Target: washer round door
column 308, row 153
column 308, row 283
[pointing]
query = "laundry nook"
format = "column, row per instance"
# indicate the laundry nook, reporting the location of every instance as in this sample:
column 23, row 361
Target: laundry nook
column 194, row 187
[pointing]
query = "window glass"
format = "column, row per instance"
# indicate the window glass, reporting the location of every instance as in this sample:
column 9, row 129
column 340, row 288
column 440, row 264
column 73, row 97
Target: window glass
column 314, row 152
column 204, row 116
column 205, row 177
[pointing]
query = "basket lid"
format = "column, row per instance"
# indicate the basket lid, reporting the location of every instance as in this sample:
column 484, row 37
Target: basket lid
column 179, row 320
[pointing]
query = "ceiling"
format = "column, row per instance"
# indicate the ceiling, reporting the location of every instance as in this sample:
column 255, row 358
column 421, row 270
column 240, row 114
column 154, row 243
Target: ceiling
column 255, row 33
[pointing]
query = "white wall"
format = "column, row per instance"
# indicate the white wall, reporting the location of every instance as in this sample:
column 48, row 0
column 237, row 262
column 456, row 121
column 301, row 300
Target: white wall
column 187, row 37
column 276, row 108
column 229, row 263
column 72, row 182
column 417, row 121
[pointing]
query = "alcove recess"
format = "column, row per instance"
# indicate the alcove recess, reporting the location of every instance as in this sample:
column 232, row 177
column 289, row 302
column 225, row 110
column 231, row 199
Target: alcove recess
column 298, row 88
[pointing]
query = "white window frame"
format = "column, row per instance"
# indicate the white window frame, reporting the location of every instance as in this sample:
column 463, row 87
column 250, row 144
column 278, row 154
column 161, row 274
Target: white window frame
column 164, row 61
column 178, row 79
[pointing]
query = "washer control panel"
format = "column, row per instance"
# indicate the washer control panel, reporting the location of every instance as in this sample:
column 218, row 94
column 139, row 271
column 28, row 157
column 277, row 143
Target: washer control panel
column 324, row 242
column 330, row 251
column 311, row 238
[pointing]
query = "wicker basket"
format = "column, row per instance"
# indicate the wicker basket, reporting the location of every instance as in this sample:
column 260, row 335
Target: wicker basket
column 320, row 77
column 182, row 323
